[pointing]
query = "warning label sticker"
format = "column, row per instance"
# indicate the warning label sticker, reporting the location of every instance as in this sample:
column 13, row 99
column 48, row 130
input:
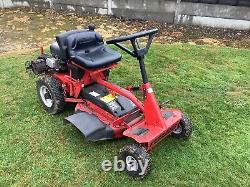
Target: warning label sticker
column 108, row 98
column 95, row 94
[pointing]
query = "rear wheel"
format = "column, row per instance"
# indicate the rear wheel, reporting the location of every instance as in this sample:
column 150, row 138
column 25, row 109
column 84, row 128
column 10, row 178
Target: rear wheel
column 50, row 94
column 137, row 160
column 184, row 130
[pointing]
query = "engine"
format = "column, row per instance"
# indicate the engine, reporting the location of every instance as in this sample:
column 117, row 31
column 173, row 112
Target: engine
column 45, row 64
column 53, row 63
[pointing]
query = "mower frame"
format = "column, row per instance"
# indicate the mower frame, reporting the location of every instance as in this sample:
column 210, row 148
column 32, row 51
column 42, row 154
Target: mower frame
column 159, row 122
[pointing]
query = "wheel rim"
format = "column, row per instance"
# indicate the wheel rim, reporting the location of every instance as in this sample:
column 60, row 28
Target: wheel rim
column 178, row 130
column 46, row 96
column 131, row 163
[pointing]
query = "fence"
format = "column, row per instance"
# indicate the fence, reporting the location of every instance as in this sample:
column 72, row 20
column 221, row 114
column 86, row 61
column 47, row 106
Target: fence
column 214, row 13
column 222, row 2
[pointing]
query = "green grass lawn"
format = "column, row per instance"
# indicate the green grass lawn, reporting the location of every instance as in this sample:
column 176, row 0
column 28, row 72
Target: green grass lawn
column 211, row 84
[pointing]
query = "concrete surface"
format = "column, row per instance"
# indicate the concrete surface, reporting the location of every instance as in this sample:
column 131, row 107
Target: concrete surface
column 169, row 11
column 218, row 11
column 214, row 22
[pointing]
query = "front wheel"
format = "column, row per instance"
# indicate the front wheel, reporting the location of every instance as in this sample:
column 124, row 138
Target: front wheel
column 184, row 130
column 50, row 94
column 137, row 160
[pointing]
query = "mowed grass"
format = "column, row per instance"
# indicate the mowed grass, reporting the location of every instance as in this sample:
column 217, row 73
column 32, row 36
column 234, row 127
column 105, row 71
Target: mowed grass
column 210, row 84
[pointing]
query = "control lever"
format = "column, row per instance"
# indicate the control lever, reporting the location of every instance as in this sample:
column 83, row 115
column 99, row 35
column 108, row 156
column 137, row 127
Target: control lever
column 164, row 103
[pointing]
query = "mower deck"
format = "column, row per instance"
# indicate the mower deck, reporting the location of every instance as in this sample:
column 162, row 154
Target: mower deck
column 92, row 128
column 151, row 134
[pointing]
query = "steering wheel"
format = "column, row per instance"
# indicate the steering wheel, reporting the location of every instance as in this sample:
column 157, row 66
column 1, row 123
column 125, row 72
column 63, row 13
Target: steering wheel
column 137, row 51
column 132, row 36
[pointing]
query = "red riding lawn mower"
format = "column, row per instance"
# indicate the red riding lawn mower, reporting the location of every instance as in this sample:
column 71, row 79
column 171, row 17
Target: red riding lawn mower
column 77, row 71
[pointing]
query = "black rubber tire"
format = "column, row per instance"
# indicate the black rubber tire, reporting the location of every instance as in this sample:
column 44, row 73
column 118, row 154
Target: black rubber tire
column 139, row 153
column 185, row 126
column 56, row 92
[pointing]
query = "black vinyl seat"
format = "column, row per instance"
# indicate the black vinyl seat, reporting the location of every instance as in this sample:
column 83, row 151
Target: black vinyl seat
column 88, row 50
column 55, row 50
column 59, row 47
column 62, row 42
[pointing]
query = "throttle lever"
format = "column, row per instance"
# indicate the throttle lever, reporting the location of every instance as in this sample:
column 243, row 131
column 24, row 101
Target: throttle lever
column 164, row 103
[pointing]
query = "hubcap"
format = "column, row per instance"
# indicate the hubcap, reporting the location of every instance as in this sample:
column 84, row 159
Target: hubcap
column 178, row 130
column 46, row 96
column 131, row 163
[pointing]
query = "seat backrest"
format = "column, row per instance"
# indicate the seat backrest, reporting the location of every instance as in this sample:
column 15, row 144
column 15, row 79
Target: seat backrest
column 83, row 41
column 61, row 40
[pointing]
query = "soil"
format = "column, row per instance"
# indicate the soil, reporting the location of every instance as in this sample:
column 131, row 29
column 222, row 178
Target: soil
column 26, row 28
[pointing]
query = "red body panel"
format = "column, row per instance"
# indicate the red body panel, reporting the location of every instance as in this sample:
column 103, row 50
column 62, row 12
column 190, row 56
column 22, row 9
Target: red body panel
column 151, row 118
column 155, row 131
